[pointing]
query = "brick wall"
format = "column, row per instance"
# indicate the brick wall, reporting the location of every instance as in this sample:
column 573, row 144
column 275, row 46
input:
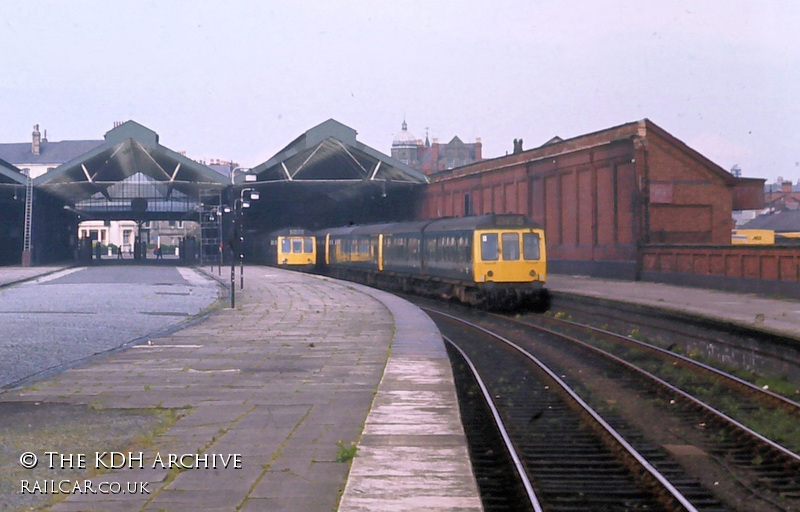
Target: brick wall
column 761, row 269
column 599, row 196
column 689, row 201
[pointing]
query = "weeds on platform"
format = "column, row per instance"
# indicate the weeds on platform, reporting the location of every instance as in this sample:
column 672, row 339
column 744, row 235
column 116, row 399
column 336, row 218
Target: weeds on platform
column 344, row 452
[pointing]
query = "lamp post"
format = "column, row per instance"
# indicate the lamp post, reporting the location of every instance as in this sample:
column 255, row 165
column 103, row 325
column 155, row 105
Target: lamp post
column 214, row 215
column 236, row 224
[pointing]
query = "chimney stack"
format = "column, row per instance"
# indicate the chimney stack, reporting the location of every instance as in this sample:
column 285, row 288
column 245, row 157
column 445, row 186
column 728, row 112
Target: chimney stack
column 786, row 187
column 36, row 145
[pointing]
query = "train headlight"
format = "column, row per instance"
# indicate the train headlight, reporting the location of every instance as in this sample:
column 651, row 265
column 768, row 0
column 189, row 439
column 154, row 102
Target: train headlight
column 490, row 273
column 533, row 273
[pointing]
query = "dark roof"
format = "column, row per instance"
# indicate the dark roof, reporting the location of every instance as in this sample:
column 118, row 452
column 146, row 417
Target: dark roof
column 127, row 165
column 557, row 146
column 291, row 231
column 330, row 152
column 487, row 221
column 777, row 188
column 57, row 153
column 10, row 174
column 784, row 221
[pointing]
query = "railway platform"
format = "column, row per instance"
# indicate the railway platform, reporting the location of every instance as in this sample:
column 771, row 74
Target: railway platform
column 16, row 274
column 776, row 315
column 278, row 394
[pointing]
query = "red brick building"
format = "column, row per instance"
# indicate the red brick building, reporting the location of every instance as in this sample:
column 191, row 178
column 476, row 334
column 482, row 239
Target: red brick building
column 782, row 197
column 430, row 158
column 603, row 196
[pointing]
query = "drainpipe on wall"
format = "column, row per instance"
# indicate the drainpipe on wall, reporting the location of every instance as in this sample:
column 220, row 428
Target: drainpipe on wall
column 642, row 173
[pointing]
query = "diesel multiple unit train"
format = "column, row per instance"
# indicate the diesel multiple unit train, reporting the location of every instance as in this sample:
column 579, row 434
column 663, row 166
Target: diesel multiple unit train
column 496, row 260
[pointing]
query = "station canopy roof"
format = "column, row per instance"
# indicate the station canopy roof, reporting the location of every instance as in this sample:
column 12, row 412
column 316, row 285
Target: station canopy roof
column 131, row 175
column 10, row 175
column 328, row 157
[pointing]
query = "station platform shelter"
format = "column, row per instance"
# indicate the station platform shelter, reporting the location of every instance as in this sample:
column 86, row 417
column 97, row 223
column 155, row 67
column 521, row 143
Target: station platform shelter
column 323, row 177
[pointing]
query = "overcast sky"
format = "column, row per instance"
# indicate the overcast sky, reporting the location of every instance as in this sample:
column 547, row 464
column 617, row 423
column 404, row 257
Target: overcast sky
column 239, row 80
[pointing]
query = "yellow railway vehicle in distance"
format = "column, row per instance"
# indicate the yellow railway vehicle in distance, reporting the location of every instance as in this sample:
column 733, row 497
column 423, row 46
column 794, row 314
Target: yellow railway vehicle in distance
column 292, row 248
column 753, row 237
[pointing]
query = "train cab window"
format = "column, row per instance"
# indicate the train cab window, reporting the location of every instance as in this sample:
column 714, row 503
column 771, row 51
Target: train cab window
column 530, row 246
column 490, row 250
column 510, row 246
column 297, row 245
column 286, row 245
column 308, row 245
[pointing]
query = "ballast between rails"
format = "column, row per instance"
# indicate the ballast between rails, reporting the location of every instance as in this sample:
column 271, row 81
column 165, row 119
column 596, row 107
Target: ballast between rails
column 658, row 478
column 733, row 379
column 780, row 450
column 501, row 428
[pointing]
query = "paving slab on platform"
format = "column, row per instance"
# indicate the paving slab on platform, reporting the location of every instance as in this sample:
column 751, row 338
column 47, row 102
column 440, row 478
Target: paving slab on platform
column 282, row 381
column 776, row 315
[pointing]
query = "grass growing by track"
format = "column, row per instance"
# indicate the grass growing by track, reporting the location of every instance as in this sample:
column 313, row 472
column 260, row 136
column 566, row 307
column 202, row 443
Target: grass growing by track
column 777, row 425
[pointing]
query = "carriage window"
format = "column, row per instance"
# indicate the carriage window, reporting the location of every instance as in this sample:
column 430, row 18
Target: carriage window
column 297, row 245
column 530, row 246
column 286, row 245
column 308, row 246
column 489, row 249
column 510, row 246
column 413, row 246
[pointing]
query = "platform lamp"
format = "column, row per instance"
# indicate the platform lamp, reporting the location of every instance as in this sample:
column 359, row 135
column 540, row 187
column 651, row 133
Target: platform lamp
column 238, row 205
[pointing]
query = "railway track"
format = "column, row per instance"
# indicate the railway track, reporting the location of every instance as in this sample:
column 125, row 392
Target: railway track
column 689, row 378
column 575, row 459
column 749, row 470
column 722, row 343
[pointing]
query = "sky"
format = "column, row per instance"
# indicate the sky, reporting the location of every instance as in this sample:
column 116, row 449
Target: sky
column 238, row 80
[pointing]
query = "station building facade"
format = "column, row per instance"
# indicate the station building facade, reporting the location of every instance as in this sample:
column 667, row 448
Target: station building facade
column 602, row 197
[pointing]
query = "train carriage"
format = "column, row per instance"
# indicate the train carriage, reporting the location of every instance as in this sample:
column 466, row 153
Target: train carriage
column 497, row 260
column 402, row 247
column 292, row 248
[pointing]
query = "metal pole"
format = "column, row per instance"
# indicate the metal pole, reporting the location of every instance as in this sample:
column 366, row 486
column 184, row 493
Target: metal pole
column 233, row 282
column 233, row 259
column 241, row 271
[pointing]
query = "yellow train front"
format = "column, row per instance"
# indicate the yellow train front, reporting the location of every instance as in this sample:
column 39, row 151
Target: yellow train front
column 495, row 260
column 293, row 248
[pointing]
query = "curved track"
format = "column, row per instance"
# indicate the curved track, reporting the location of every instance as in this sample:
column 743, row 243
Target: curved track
column 576, row 460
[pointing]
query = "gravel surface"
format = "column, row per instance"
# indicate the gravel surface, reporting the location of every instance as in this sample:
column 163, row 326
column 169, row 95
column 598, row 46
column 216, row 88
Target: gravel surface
column 59, row 319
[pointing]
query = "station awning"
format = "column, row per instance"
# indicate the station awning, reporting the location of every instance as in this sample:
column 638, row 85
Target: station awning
column 131, row 175
column 329, row 153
